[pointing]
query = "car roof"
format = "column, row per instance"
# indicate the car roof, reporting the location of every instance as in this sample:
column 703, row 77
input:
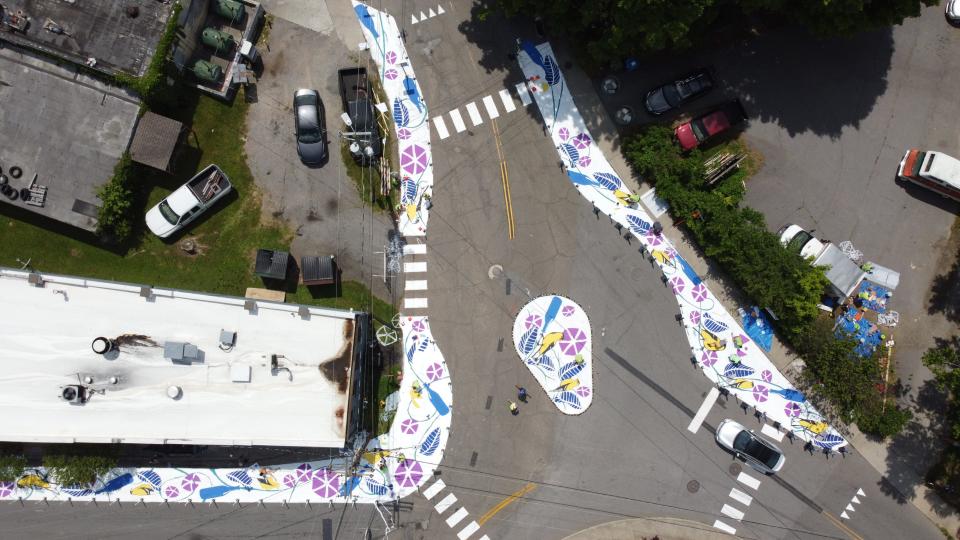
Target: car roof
column 716, row 122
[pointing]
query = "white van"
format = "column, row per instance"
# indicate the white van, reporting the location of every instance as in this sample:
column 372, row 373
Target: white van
column 935, row 171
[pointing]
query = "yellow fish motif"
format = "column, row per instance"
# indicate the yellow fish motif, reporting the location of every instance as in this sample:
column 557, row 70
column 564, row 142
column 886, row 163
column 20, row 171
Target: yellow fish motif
column 377, row 459
column 814, row 427
column 411, row 212
column 416, row 392
column 267, row 481
column 742, row 384
column 32, row 481
column 143, row 490
column 622, row 197
column 663, row 258
column 568, row 384
column 549, row 340
column 711, row 342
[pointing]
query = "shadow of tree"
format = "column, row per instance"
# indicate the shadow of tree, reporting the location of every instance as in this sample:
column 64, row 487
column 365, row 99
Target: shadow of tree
column 945, row 289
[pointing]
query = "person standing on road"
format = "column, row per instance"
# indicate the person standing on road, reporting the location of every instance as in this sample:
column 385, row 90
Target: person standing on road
column 522, row 394
column 514, row 410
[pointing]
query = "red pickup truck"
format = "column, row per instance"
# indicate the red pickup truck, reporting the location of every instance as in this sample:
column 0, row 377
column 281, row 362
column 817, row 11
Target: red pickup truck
column 718, row 120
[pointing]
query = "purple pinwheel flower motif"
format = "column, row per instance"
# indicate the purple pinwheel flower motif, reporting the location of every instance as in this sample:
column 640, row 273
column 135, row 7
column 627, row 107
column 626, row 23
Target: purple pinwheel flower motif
column 766, row 375
column 171, row 492
column 695, row 317
column 564, row 134
column 741, row 352
column 583, row 391
column 403, row 134
column 434, row 372
column 581, row 141
column 708, row 358
column 584, row 161
column 418, row 325
column 326, row 483
column 652, row 239
column 409, row 426
column 391, row 74
column 792, row 409
column 391, row 57
column 289, row 481
column 304, row 472
column 699, row 292
column 190, row 482
column 568, row 310
column 573, row 341
column 414, row 159
column 533, row 320
column 677, row 283
column 408, row 473
column 6, row 489
column 760, row 393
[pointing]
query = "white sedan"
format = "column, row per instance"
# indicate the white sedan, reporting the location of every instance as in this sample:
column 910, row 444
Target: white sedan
column 761, row 455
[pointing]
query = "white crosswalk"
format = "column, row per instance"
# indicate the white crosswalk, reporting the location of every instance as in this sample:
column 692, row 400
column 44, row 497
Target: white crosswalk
column 490, row 107
column 455, row 519
column 415, row 285
column 457, row 121
column 435, row 488
column 474, row 114
column 446, row 503
column 414, row 249
column 440, row 127
column 507, row 100
column 414, row 303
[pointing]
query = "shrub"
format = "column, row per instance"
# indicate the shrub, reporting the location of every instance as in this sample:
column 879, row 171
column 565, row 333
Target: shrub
column 11, row 467
column 149, row 84
column 77, row 470
column 114, row 218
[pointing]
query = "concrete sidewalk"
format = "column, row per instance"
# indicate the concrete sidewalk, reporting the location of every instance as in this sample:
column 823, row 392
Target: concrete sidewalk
column 648, row 529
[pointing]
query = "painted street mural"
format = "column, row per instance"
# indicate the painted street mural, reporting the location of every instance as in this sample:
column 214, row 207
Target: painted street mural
column 391, row 467
column 410, row 117
column 721, row 348
column 552, row 337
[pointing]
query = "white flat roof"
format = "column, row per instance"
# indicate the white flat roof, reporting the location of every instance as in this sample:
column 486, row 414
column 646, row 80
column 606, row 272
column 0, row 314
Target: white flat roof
column 46, row 335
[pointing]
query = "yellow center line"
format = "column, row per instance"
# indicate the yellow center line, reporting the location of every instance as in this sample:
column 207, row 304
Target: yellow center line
column 504, row 503
column 843, row 527
column 505, row 180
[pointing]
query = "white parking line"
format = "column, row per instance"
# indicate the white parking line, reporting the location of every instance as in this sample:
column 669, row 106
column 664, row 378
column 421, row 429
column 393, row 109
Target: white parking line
column 724, row 527
column 772, row 432
column 432, row 491
column 415, row 285
column 441, row 127
column 507, row 100
column 471, row 528
column 748, row 480
column 740, row 497
column 524, row 94
column 447, row 502
column 457, row 516
column 414, row 303
column 412, row 267
column 474, row 113
column 414, row 249
column 491, row 107
column 730, row 511
column 703, row 410
column 457, row 121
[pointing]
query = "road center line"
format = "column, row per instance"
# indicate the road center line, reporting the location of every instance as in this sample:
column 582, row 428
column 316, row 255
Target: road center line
column 504, row 503
column 704, row 409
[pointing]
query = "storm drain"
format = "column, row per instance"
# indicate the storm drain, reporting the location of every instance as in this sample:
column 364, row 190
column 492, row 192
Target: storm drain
column 736, row 468
column 473, row 460
column 489, row 402
column 693, row 486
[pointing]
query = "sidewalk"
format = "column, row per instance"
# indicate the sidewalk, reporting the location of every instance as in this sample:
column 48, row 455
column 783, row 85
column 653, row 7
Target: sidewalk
column 606, row 136
column 647, row 529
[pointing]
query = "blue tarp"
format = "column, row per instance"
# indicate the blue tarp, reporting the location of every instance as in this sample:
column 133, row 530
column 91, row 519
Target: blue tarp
column 865, row 332
column 873, row 296
column 757, row 326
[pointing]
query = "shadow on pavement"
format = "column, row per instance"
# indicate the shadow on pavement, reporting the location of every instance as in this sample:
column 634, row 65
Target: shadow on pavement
column 945, row 289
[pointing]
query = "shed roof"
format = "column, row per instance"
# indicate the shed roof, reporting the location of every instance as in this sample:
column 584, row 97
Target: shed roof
column 154, row 140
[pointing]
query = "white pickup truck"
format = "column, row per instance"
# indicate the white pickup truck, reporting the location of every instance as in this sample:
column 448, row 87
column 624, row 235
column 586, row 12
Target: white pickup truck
column 844, row 275
column 188, row 201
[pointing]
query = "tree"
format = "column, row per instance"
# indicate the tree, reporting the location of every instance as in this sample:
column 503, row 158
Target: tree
column 944, row 361
column 841, row 17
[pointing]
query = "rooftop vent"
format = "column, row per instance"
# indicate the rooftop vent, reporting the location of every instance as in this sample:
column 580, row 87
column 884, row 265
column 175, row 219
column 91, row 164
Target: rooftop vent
column 74, row 394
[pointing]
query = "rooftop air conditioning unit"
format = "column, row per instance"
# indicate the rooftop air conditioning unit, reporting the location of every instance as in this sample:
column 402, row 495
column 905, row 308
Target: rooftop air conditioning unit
column 74, row 394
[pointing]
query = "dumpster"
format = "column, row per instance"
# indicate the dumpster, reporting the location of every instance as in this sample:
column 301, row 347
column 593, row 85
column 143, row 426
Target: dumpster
column 207, row 71
column 217, row 39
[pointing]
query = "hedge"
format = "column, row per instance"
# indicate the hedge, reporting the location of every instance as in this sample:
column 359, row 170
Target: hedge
column 114, row 219
column 77, row 470
column 11, row 467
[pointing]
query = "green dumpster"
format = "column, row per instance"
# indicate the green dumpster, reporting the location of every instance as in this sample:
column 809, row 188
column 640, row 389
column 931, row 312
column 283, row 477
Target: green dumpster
column 228, row 9
column 207, row 71
column 218, row 39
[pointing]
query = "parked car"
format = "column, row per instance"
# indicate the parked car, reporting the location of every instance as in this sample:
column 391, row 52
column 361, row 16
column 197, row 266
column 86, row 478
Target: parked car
column 935, row 171
column 188, row 201
column 952, row 12
column 364, row 130
column 761, row 455
column 310, row 123
column 675, row 93
column 714, row 122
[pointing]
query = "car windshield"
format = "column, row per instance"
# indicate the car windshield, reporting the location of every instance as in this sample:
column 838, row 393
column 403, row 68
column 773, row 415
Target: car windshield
column 698, row 130
column 310, row 135
column 797, row 242
column 168, row 213
column 751, row 446
column 671, row 94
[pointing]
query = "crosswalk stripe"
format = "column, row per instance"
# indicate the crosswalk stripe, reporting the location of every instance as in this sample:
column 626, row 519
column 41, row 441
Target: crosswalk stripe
column 471, row 528
column 748, row 480
column 524, row 94
column 474, row 113
column 457, row 121
column 724, row 527
column 415, row 285
column 414, row 249
column 507, row 100
column 441, row 127
column 491, row 107
column 740, row 497
column 414, row 303
column 411, row 267
column 772, row 432
column 432, row 491
column 728, row 510
column 457, row 516
column 447, row 502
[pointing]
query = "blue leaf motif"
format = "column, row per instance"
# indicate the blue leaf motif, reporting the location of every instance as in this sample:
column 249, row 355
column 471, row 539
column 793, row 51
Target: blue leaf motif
column 713, row 325
column 571, row 153
column 430, row 443
column 737, row 371
column 529, row 339
column 570, row 370
column 608, row 180
column 400, row 114
column 423, row 345
column 77, row 492
column 551, row 71
column 240, row 476
column 376, row 488
column 637, row 225
column 567, row 397
column 152, row 477
column 413, row 349
column 828, row 440
column 409, row 190
column 545, row 363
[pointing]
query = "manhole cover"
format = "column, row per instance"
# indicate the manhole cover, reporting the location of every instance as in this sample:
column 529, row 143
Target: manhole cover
column 495, row 271
column 736, row 468
column 693, row 486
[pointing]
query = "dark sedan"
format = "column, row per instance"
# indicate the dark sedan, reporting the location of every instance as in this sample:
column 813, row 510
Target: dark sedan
column 675, row 93
column 311, row 132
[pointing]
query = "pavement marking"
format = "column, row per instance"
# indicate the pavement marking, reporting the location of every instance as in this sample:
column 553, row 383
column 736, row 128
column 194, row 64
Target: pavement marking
column 855, row 499
column 507, row 100
column 491, row 107
column 411, row 267
column 440, row 10
column 730, row 511
column 704, row 409
column 432, row 13
column 414, row 303
column 432, row 491
column 860, row 492
column 447, row 502
column 748, row 480
column 413, row 19
column 457, row 121
column 457, row 517
column 772, row 432
column 850, row 508
column 850, row 532
column 484, row 537
column 740, row 497
column 441, row 127
column 505, row 180
column 844, row 515
column 471, row 528
column 524, row 94
column 724, row 527
column 506, row 502
column 414, row 249
column 474, row 113
column 415, row 285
